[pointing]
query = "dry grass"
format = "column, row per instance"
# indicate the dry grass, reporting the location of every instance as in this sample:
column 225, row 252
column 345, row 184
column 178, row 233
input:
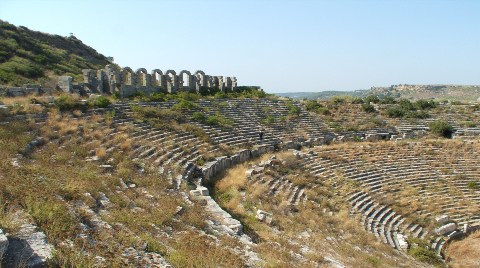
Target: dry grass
column 101, row 153
column 230, row 186
column 465, row 253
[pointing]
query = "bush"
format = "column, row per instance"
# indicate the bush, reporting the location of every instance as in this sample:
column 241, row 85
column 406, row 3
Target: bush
column 102, row 102
column 424, row 255
column 395, row 112
column 218, row 120
column 184, row 105
column 292, row 109
column 312, row 105
column 155, row 97
column 357, row 101
column 406, row 105
column 470, row 124
column 372, row 98
column 338, row 100
column 417, row 114
column 199, row 117
column 425, row 104
column 367, row 107
column 387, row 100
column 441, row 128
column 419, row 250
column 68, row 103
column 473, row 185
column 269, row 120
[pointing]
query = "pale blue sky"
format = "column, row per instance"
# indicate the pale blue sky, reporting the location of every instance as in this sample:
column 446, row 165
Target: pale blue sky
column 283, row 46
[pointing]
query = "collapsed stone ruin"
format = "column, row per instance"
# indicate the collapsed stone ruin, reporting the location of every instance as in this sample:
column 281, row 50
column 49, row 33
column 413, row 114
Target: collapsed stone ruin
column 126, row 82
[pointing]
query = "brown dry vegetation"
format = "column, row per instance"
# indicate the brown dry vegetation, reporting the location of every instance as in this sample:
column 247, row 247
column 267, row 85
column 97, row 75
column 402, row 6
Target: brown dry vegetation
column 308, row 230
column 50, row 181
column 465, row 253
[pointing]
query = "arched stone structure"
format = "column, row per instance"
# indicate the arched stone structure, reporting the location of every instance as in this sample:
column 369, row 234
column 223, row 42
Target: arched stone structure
column 127, row 82
column 128, row 76
column 187, row 84
column 143, row 78
column 200, row 80
column 172, row 81
column 158, row 79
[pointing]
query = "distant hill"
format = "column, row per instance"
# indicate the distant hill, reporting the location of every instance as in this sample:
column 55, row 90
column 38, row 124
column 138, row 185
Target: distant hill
column 465, row 93
column 28, row 56
column 323, row 95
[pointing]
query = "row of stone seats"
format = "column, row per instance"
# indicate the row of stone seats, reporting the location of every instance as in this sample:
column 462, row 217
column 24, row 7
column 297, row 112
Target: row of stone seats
column 389, row 171
column 411, row 170
column 383, row 221
column 293, row 194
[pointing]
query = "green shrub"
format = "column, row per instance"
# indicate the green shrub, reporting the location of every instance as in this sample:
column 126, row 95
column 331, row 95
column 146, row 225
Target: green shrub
column 199, row 117
column 357, row 101
column 102, row 102
column 387, row 100
column 68, row 103
column 312, row 105
column 367, row 107
column 338, row 100
column 425, row 104
column 372, row 98
column 441, row 128
column 470, row 124
column 269, row 120
column 473, row 185
column 156, row 97
column 419, row 249
column 184, row 105
column 417, row 114
column 395, row 111
column 423, row 254
column 218, row 120
column 406, row 105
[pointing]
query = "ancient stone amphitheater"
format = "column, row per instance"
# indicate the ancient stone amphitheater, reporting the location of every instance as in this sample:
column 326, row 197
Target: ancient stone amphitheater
column 310, row 196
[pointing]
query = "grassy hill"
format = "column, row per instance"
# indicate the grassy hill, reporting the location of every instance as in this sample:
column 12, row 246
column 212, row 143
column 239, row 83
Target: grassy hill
column 28, row 56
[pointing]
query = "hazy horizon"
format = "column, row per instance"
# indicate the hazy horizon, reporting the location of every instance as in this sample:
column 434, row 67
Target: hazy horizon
column 282, row 46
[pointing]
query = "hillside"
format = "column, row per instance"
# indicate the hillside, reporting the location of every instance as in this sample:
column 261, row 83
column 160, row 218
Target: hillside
column 463, row 93
column 28, row 56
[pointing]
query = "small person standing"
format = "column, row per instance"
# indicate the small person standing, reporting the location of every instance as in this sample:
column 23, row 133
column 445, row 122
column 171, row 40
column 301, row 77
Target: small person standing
column 260, row 134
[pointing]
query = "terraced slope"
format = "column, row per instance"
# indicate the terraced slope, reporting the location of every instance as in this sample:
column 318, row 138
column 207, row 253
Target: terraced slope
column 400, row 188
column 133, row 173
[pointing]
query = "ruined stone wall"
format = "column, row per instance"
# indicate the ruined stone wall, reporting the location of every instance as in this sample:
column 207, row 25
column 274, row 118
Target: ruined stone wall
column 126, row 82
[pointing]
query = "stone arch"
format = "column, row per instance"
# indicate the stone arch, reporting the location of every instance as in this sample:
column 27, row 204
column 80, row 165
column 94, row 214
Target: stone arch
column 200, row 72
column 172, row 81
column 142, row 77
column 128, row 76
column 157, row 77
column 201, row 79
column 185, row 76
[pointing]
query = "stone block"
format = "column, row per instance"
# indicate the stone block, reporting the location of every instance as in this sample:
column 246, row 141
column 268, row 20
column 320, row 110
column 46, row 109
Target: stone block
column 442, row 219
column 264, row 216
column 199, row 193
column 258, row 170
column 447, row 228
column 65, row 83
column 402, row 242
